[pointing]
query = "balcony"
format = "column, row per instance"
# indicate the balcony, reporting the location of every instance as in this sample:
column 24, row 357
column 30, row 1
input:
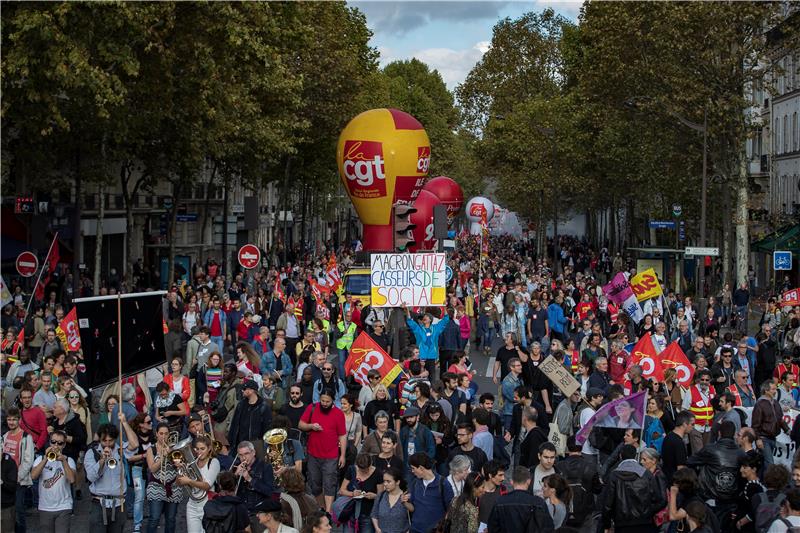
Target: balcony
column 764, row 163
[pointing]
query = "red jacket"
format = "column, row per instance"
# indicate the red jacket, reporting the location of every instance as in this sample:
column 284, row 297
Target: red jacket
column 34, row 423
column 618, row 365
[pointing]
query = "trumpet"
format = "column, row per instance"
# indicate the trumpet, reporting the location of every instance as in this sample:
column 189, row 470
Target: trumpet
column 112, row 463
column 51, row 456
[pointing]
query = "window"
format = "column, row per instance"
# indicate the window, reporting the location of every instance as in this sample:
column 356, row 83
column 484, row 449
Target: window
column 776, row 137
column 785, row 133
column 795, row 133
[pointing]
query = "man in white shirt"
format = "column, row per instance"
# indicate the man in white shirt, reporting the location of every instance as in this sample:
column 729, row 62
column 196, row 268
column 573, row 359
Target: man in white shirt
column 55, row 495
column 792, row 517
column 595, row 399
column 547, row 460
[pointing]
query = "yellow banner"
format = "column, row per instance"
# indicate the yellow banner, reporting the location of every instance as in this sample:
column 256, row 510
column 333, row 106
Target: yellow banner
column 645, row 285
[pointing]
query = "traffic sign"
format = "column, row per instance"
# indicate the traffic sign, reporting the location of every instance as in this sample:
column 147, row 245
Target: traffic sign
column 782, row 260
column 662, row 224
column 448, row 274
column 27, row 264
column 677, row 210
column 249, row 256
column 696, row 250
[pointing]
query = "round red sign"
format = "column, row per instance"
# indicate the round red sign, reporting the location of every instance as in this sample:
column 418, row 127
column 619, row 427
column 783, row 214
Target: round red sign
column 249, row 256
column 27, row 264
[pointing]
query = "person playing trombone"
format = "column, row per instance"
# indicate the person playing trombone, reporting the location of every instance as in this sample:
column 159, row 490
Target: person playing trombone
column 55, row 496
column 103, row 464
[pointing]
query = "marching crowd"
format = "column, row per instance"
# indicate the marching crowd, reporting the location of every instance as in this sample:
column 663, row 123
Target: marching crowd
column 253, row 423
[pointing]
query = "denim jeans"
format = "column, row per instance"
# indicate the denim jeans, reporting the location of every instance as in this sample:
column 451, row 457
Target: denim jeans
column 769, row 448
column 364, row 525
column 139, row 485
column 741, row 310
column 170, row 511
column 220, row 342
column 20, row 509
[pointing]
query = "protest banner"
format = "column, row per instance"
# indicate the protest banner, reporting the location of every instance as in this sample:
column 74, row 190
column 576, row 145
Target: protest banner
column 619, row 291
column 645, row 285
column 790, row 298
column 366, row 355
column 673, row 357
column 414, row 280
column 783, row 452
column 68, row 332
column 560, row 376
column 644, row 355
column 624, row 413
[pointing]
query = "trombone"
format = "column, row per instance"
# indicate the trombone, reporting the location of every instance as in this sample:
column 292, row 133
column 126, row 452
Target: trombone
column 206, row 419
column 233, row 467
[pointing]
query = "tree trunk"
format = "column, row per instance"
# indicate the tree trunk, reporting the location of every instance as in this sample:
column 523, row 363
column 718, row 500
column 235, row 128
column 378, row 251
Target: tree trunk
column 727, row 249
column 284, row 240
column 98, row 247
column 742, row 230
column 204, row 223
column 77, row 236
column 303, row 206
column 173, row 218
column 612, row 228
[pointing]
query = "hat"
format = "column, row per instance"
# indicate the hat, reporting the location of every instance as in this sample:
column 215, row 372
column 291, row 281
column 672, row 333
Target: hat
column 410, row 411
column 195, row 418
column 268, row 506
column 595, row 391
column 250, row 384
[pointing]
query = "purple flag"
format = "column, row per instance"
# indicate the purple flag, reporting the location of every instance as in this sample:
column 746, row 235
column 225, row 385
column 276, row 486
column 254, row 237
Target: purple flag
column 618, row 289
column 623, row 413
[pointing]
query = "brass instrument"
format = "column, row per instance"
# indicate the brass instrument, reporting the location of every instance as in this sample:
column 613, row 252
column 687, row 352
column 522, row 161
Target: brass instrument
column 112, row 463
column 206, row 418
column 233, row 468
column 51, row 456
column 186, row 463
column 275, row 439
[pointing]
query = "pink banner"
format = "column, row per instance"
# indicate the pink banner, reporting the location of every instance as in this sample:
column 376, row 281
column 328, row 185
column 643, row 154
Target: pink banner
column 619, row 289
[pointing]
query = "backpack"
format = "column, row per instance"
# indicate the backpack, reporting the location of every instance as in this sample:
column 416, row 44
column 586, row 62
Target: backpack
column 582, row 503
column 540, row 520
column 789, row 527
column 767, row 510
column 218, row 517
column 499, row 451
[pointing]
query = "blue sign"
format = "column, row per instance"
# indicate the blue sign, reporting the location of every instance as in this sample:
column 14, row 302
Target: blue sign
column 682, row 231
column 662, row 224
column 782, row 260
column 448, row 274
column 187, row 217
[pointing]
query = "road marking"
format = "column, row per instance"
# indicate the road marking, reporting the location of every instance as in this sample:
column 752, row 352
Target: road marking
column 490, row 367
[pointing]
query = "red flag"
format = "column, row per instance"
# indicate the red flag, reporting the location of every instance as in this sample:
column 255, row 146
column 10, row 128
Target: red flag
column 315, row 292
column 21, row 336
column 68, row 331
column 279, row 290
column 51, row 262
column 366, row 355
column 324, row 311
column 333, row 280
column 644, row 355
column 673, row 357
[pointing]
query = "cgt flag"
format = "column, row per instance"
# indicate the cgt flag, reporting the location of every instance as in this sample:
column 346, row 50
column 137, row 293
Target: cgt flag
column 673, row 357
column 366, row 355
column 623, row 413
column 644, row 355
column 68, row 332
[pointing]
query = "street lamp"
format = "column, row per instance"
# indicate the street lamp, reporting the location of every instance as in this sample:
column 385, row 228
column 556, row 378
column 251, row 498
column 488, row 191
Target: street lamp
column 631, row 103
column 548, row 132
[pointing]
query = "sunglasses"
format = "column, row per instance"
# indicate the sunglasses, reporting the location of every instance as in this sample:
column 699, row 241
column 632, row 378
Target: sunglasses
column 327, row 370
column 73, row 397
column 57, row 443
column 376, row 326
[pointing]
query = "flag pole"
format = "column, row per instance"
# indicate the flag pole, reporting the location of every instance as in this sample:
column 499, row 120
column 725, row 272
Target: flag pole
column 119, row 380
column 39, row 278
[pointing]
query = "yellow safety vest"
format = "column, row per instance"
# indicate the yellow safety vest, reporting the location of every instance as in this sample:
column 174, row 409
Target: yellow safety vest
column 346, row 338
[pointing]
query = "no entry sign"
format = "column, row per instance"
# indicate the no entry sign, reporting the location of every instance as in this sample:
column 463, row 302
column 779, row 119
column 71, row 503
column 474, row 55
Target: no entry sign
column 249, row 256
column 27, row 264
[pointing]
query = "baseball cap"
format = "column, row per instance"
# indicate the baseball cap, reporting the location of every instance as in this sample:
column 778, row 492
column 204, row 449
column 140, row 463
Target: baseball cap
column 595, row 391
column 267, row 506
column 250, row 384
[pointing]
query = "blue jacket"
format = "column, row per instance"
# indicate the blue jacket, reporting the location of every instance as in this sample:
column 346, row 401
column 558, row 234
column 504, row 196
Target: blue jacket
column 269, row 363
column 223, row 320
column 509, row 385
column 423, row 441
column 427, row 338
column 430, row 503
column 451, row 337
column 341, row 390
column 556, row 318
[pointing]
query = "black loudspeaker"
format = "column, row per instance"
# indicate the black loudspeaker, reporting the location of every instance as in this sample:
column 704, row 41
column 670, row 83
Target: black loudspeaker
column 250, row 213
column 439, row 222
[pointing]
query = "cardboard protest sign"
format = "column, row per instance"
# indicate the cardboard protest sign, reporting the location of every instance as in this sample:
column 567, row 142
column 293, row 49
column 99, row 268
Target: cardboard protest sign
column 414, row 280
column 560, row 376
column 645, row 285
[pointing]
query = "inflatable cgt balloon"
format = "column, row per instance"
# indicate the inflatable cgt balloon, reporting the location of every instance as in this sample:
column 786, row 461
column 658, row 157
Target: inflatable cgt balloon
column 475, row 208
column 423, row 218
column 449, row 192
column 383, row 157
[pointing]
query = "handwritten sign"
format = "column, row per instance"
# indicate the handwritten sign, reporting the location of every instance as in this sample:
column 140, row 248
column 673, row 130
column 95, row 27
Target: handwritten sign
column 560, row 376
column 645, row 285
column 415, row 280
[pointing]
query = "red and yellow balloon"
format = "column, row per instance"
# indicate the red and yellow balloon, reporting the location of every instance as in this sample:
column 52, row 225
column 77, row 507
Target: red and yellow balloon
column 449, row 192
column 383, row 157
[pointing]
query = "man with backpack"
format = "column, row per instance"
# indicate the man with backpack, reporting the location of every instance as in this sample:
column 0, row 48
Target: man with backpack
column 429, row 494
column 226, row 513
column 790, row 521
column 584, row 480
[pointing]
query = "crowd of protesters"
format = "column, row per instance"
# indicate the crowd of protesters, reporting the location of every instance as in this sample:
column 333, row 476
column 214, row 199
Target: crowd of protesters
column 432, row 450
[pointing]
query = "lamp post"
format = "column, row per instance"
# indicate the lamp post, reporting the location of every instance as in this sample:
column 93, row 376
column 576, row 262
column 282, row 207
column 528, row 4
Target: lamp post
column 701, row 128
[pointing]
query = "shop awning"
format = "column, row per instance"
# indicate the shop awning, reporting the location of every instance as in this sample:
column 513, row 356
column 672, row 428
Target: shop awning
column 785, row 238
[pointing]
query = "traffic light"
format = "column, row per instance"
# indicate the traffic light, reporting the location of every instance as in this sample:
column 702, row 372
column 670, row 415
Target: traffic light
column 403, row 227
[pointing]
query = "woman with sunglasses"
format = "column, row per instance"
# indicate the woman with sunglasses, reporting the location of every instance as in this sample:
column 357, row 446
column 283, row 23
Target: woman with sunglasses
column 198, row 488
column 379, row 335
column 142, row 424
